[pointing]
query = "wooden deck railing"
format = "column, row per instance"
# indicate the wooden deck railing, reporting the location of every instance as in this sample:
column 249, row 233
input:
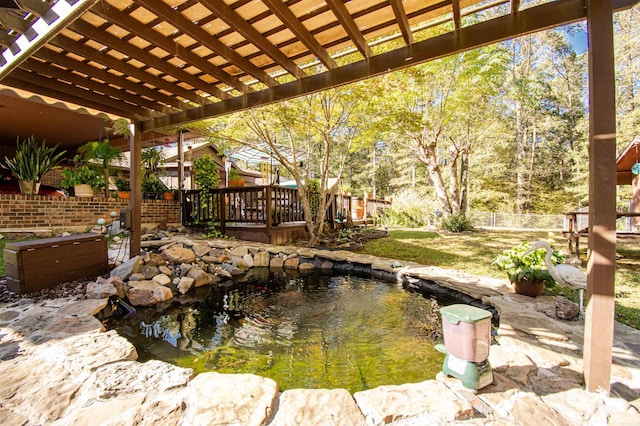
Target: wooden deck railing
column 264, row 205
column 268, row 205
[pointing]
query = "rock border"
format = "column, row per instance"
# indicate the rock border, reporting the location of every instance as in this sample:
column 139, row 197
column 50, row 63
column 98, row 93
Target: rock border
column 58, row 366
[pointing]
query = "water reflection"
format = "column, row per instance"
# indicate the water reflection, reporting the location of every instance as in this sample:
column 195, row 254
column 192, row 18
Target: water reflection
column 303, row 331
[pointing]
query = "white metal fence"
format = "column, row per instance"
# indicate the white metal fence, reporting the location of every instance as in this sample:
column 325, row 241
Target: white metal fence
column 551, row 222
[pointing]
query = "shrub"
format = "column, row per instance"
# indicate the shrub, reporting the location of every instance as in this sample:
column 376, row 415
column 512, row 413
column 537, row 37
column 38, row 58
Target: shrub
column 457, row 223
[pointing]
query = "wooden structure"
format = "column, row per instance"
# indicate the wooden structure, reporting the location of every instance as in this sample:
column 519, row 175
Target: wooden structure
column 163, row 63
column 574, row 231
column 34, row 265
column 269, row 214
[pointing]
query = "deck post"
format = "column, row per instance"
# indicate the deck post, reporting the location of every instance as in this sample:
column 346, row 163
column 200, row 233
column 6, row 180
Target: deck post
column 598, row 334
column 180, row 167
column 135, row 179
column 268, row 207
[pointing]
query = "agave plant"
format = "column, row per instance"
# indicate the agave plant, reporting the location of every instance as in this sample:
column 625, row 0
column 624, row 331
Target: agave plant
column 33, row 160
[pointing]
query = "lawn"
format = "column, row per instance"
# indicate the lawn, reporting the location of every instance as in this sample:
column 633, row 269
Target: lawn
column 473, row 253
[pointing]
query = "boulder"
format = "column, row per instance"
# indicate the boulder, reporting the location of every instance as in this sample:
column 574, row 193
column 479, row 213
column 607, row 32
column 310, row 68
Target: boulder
column 162, row 279
column 127, row 268
column 199, row 276
column 317, row 407
column 307, row 267
column 432, row 401
column 162, row 294
column 141, row 293
column 177, row 254
column 277, row 262
column 229, row 399
column 326, row 265
column 292, row 263
column 261, row 259
column 239, row 251
column 185, row 284
column 165, row 270
column 154, row 259
column 96, row 290
column 148, row 271
column 566, row 309
column 221, row 272
column 248, row 260
column 201, row 250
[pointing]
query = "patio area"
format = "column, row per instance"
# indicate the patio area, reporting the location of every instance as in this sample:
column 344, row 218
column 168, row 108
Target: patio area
column 58, row 366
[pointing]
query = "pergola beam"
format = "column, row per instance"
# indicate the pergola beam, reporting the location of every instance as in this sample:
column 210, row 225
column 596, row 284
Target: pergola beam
column 455, row 6
column 296, row 27
column 125, row 68
column 403, row 21
column 94, row 87
column 92, row 33
column 201, row 36
column 533, row 19
column 109, row 78
column 113, row 15
column 231, row 17
column 342, row 14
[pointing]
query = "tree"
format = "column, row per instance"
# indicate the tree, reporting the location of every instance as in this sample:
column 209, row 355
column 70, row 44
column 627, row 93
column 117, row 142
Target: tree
column 442, row 110
column 318, row 130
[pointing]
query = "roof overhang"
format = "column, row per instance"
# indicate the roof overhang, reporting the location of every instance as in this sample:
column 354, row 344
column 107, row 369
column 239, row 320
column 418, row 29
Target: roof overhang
column 166, row 63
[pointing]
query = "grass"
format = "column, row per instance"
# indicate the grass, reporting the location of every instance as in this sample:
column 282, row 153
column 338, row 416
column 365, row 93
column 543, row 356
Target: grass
column 473, row 253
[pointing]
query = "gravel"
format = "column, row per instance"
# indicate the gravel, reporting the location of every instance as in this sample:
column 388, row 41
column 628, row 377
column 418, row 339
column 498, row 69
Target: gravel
column 73, row 289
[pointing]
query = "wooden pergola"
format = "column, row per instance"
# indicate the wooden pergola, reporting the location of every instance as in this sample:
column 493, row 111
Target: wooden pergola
column 166, row 63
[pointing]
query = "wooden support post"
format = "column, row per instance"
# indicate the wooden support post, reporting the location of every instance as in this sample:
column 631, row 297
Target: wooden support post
column 598, row 335
column 180, row 167
column 135, row 179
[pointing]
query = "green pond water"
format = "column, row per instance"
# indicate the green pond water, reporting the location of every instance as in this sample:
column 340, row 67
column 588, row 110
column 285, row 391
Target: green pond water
column 310, row 331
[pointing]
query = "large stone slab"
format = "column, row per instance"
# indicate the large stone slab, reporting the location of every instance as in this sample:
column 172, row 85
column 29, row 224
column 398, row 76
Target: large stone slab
column 431, row 400
column 229, row 399
column 177, row 255
column 335, row 407
column 531, row 411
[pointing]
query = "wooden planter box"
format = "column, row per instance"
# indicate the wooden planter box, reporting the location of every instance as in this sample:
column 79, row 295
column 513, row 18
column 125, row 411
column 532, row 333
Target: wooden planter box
column 33, row 265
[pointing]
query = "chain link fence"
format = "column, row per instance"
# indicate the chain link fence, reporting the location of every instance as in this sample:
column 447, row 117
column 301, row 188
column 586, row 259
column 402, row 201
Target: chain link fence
column 550, row 222
column 547, row 222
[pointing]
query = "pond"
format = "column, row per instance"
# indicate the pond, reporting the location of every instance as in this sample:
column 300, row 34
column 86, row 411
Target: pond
column 303, row 331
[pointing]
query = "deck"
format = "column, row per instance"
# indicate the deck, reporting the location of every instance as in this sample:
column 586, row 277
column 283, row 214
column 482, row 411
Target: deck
column 269, row 214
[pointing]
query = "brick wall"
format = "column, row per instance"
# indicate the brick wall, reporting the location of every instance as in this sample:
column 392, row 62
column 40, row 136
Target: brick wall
column 35, row 212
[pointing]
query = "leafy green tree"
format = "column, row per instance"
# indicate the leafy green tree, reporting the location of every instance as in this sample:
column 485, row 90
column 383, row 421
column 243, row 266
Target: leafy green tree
column 441, row 111
column 319, row 131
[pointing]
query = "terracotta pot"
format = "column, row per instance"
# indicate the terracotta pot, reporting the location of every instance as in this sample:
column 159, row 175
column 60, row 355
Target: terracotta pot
column 236, row 183
column 83, row 190
column 124, row 194
column 169, row 195
column 529, row 288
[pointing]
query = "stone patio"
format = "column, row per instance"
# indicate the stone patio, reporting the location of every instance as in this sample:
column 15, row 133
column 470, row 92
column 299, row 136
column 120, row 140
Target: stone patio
column 59, row 366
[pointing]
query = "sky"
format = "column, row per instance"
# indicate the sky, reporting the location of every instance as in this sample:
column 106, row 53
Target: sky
column 579, row 41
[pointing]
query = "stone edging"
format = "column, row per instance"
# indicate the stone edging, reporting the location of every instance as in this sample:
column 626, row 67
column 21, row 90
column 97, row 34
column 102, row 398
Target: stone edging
column 59, row 367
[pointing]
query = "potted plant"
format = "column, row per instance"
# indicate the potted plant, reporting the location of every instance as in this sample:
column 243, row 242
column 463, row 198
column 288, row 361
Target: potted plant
column 124, row 187
column 83, row 179
column 527, row 271
column 235, row 180
column 31, row 162
column 152, row 187
column 102, row 153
